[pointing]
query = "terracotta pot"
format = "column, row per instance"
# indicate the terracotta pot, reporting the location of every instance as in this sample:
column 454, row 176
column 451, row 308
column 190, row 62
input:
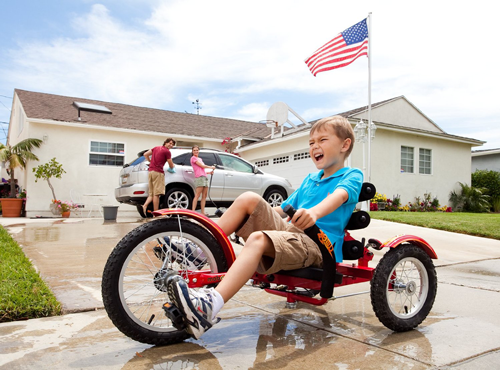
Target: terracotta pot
column 11, row 207
column 66, row 214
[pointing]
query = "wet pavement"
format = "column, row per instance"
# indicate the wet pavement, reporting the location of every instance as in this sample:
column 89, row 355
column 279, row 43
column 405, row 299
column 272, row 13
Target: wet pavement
column 257, row 331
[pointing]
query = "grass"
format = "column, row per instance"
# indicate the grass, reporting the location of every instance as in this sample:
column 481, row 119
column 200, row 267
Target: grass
column 477, row 224
column 23, row 294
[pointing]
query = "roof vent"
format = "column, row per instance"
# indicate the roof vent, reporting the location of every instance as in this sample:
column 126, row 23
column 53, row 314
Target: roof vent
column 90, row 108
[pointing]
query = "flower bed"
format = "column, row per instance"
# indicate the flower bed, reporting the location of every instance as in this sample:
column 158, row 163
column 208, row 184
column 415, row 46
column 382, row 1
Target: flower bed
column 420, row 204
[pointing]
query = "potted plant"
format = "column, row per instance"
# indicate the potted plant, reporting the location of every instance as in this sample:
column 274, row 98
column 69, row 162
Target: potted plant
column 15, row 156
column 64, row 208
column 46, row 171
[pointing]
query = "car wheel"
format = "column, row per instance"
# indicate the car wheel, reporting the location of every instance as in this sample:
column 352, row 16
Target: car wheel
column 177, row 198
column 275, row 197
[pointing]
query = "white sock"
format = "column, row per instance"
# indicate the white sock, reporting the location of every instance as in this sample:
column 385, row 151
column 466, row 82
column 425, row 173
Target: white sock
column 218, row 303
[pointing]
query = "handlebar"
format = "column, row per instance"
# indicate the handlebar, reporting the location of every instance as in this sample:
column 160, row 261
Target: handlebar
column 327, row 252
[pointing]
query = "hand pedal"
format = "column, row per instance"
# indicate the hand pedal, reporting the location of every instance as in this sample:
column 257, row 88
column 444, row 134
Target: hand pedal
column 175, row 315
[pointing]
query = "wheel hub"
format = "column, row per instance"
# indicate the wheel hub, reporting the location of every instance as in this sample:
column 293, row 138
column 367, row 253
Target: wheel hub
column 401, row 287
column 161, row 277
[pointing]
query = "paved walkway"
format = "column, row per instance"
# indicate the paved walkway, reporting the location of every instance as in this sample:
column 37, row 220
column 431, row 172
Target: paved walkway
column 257, row 331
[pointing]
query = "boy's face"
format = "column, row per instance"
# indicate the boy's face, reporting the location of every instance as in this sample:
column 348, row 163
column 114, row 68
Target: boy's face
column 327, row 150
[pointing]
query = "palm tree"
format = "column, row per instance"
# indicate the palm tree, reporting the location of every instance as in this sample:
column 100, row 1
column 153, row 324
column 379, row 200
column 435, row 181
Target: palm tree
column 18, row 155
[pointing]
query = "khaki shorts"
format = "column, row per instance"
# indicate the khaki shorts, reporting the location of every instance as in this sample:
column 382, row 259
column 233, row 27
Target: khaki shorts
column 293, row 248
column 200, row 182
column 156, row 182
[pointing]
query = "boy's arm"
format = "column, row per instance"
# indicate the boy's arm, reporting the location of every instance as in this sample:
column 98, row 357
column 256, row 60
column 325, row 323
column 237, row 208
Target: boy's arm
column 305, row 218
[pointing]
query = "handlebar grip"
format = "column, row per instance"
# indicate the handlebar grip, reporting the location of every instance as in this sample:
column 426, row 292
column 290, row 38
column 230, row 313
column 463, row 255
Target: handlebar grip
column 311, row 232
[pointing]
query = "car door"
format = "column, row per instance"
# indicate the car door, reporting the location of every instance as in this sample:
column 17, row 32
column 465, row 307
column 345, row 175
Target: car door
column 239, row 177
column 216, row 183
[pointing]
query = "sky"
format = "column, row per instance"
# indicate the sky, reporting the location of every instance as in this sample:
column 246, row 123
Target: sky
column 237, row 58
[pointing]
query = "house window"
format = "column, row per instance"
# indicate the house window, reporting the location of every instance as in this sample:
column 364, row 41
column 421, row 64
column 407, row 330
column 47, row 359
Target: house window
column 406, row 159
column 262, row 163
column 280, row 160
column 106, row 154
column 425, row 161
column 299, row 156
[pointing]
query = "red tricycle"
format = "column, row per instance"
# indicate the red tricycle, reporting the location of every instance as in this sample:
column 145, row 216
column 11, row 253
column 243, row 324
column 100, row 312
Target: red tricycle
column 186, row 243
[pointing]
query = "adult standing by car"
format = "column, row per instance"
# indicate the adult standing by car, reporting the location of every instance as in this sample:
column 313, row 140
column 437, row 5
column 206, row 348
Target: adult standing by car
column 157, row 158
column 200, row 181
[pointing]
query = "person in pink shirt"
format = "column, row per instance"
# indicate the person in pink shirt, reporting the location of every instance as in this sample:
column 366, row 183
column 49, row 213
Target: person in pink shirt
column 200, row 181
column 157, row 158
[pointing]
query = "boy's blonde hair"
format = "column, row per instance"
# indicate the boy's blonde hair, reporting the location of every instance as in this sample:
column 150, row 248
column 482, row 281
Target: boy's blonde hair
column 340, row 126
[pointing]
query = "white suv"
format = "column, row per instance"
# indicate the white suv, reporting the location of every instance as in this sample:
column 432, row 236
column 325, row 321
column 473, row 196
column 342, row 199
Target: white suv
column 232, row 177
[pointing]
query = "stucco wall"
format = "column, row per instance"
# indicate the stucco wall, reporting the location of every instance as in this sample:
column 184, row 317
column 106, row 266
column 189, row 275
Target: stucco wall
column 489, row 162
column 400, row 112
column 450, row 164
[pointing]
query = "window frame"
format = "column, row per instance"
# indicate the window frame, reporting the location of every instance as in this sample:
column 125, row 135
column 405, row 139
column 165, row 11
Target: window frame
column 429, row 167
column 107, row 154
column 402, row 170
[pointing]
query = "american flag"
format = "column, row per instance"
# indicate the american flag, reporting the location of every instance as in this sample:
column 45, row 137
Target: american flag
column 344, row 49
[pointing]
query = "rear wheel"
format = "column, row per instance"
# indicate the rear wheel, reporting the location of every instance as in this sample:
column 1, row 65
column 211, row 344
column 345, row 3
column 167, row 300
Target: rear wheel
column 134, row 279
column 403, row 287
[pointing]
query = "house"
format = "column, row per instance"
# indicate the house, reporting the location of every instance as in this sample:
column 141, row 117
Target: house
column 410, row 154
column 488, row 159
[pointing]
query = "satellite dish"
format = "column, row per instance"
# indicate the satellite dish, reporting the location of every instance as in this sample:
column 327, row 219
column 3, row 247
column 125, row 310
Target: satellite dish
column 278, row 113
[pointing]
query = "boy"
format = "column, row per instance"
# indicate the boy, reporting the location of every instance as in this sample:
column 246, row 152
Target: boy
column 327, row 198
column 157, row 157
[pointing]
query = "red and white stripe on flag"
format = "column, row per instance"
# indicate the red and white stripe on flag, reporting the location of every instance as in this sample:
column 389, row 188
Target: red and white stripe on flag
column 344, row 49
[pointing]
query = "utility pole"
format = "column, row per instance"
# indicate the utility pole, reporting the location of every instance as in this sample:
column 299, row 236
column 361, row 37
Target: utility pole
column 198, row 106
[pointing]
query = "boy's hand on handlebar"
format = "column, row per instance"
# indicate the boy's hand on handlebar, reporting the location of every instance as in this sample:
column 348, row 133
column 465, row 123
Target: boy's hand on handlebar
column 303, row 218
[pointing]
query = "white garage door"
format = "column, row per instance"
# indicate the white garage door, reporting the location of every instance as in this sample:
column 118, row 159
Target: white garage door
column 293, row 166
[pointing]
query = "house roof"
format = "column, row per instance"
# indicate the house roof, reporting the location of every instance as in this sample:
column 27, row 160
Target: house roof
column 60, row 108
column 483, row 152
column 351, row 114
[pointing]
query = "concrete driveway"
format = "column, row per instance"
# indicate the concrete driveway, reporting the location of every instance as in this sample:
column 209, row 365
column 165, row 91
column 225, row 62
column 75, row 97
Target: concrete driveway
column 257, row 331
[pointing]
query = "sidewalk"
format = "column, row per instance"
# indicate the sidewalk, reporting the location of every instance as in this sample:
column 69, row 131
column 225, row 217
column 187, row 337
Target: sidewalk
column 462, row 331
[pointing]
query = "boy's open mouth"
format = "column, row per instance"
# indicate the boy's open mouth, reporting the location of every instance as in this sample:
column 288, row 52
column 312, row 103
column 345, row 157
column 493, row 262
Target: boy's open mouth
column 318, row 157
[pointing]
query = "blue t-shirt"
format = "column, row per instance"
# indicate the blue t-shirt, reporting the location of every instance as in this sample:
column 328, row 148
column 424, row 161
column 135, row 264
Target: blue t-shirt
column 314, row 190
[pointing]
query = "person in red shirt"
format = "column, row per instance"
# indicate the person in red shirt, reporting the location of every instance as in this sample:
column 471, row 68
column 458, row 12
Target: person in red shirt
column 157, row 158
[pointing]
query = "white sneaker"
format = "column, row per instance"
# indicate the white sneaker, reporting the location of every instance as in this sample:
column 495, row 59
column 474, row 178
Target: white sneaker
column 196, row 306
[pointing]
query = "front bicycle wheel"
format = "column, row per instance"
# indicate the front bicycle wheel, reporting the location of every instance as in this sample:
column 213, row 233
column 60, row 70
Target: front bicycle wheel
column 403, row 287
column 134, row 278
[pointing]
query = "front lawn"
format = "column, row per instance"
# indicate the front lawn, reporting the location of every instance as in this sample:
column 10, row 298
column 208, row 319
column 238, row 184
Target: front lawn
column 23, row 294
column 478, row 224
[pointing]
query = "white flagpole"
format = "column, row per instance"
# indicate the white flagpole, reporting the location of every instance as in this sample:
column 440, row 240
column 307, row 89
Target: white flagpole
column 369, row 95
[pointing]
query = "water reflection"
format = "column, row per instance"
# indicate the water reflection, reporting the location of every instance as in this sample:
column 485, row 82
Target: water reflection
column 292, row 340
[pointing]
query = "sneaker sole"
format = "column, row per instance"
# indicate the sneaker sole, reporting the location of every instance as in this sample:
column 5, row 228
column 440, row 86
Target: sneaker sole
column 196, row 325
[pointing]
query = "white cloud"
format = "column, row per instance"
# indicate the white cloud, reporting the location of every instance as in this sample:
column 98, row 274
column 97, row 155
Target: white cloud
column 236, row 57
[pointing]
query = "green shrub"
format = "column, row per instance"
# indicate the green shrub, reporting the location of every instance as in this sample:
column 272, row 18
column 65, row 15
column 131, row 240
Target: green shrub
column 490, row 181
column 469, row 199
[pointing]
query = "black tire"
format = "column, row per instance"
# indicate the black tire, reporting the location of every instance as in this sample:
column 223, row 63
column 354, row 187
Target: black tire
column 141, row 212
column 403, row 287
column 133, row 281
column 177, row 198
column 275, row 197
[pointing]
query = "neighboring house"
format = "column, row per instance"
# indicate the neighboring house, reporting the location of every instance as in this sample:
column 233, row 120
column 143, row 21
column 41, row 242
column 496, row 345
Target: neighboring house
column 410, row 155
column 488, row 159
